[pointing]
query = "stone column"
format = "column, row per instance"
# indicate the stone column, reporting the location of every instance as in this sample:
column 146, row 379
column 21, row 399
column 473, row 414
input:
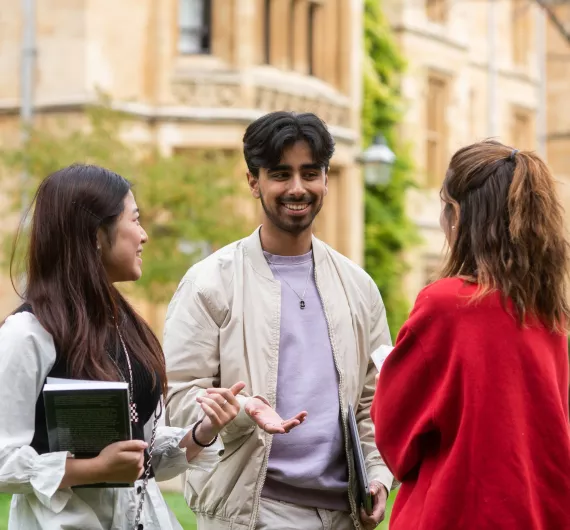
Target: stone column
column 345, row 53
column 280, row 15
column 247, row 33
column 299, row 33
column 331, row 41
column 320, row 38
column 223, row 29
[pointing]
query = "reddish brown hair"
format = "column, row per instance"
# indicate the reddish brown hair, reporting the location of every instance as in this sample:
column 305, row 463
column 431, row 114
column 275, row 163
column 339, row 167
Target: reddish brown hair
column 67, row 285
column 510, row 234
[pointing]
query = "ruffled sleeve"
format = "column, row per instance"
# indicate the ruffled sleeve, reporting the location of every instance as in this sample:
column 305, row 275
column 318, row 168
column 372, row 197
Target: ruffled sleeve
column 27, row 354
column 169, row 460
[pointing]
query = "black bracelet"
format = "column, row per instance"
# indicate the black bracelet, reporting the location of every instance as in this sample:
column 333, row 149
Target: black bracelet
column 196, row 441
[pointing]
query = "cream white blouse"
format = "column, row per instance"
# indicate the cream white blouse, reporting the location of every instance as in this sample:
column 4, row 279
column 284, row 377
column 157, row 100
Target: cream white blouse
column 27, row 354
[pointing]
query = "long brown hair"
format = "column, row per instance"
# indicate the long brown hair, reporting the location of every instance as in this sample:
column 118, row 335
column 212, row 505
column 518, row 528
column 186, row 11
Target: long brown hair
column 510, row 233
column 67, row 285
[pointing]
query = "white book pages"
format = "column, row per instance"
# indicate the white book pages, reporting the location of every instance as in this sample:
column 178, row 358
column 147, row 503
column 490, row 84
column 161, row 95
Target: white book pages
column 380, row 354
column 62, row 381
column 78, row 384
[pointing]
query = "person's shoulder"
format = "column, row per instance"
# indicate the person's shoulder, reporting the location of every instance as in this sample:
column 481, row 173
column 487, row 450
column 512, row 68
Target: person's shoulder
column 436, row 306
column 350, row 268
column 445, row 294
column 21, row 325
column 446, row 288
column 210, row 280
column 212, row 266
column 23, row 334
column 354, row 275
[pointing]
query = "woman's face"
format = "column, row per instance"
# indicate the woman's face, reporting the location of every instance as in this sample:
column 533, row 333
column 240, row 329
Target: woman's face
column 121, row 256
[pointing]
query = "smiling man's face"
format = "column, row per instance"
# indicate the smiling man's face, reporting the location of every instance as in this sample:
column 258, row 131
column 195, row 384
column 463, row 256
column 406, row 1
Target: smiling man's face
column 291, row 193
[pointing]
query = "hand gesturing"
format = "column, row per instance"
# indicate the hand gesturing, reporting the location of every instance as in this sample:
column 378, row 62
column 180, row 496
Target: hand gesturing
column 268, row 419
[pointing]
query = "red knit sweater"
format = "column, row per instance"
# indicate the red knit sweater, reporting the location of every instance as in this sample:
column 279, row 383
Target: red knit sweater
column 471, row 415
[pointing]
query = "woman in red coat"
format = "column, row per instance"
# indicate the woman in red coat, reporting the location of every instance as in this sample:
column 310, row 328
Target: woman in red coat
column 471, row 408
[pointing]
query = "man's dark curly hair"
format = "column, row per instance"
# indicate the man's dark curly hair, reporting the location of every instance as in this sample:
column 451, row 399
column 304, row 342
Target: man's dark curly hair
column 267, row 137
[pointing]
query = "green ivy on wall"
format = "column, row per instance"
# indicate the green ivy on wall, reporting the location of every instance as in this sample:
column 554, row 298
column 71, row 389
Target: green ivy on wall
column 388, row 230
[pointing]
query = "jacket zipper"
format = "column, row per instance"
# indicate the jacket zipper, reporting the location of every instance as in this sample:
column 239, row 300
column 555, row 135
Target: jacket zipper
column 263, row 473
column 351, row 500
column 265, row 463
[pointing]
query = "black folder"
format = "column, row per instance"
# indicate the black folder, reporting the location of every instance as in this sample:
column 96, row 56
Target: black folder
column 365, row 497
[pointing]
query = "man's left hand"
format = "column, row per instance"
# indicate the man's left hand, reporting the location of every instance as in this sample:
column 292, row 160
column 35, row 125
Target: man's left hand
column 379, row 497
column 268, row 419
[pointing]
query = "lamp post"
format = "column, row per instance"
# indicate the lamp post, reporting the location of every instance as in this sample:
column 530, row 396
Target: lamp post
column 377, row 161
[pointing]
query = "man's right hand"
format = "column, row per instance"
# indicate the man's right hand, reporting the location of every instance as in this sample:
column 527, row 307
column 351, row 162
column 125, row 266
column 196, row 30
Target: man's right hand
column 121, row 461
column 268, row 419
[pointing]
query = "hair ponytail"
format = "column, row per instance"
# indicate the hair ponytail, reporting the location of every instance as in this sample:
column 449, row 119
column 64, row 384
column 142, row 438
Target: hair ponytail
column 511, row 234
column 534, row 210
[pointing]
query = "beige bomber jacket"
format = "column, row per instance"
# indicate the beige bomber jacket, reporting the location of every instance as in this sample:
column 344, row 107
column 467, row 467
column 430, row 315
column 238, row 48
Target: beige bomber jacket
column 222, row 326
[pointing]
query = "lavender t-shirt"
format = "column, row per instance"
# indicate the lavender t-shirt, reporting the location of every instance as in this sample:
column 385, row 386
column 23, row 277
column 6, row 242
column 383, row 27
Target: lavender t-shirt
column 307, row 466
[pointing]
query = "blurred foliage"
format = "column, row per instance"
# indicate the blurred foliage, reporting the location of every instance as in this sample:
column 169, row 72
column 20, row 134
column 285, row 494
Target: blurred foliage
column 185, row 200
column 388, row 230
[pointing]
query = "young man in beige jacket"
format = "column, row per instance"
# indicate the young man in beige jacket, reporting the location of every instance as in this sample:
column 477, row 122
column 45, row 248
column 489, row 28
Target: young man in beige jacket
column 297, row 322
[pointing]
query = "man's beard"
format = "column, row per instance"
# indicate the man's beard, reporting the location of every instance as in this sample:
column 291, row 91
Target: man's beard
column 294, row 226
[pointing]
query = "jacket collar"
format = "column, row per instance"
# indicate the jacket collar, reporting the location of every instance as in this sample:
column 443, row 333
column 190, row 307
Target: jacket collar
column 254, row 251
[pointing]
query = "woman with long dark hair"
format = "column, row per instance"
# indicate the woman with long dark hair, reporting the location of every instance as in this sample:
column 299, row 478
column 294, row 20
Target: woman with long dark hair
column 85, row 236
column 471, row 407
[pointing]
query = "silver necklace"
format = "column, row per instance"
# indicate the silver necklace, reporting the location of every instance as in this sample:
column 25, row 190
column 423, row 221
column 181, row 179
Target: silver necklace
column 301, row 298
column 135, row 419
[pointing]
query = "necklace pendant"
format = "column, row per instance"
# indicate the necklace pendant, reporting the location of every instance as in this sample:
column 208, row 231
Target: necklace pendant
column 302, row 304
column 134, row 413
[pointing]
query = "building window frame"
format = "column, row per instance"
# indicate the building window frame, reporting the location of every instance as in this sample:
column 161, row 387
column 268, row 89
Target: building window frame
column 195, row 27
column 521, row 28
column 437, row 11
column 437, row 101
column 522, row 128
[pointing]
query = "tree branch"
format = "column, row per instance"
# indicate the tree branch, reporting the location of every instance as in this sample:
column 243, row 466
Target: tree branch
column 551, row 14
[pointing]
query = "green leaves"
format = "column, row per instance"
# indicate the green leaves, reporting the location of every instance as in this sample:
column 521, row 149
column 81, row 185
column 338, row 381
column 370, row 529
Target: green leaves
column 388, row 231
column 185, row 199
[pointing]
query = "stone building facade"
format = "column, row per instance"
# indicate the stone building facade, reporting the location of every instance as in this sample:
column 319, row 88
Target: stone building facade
column 195, row 72
column 557, row 108
column 473, row 73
